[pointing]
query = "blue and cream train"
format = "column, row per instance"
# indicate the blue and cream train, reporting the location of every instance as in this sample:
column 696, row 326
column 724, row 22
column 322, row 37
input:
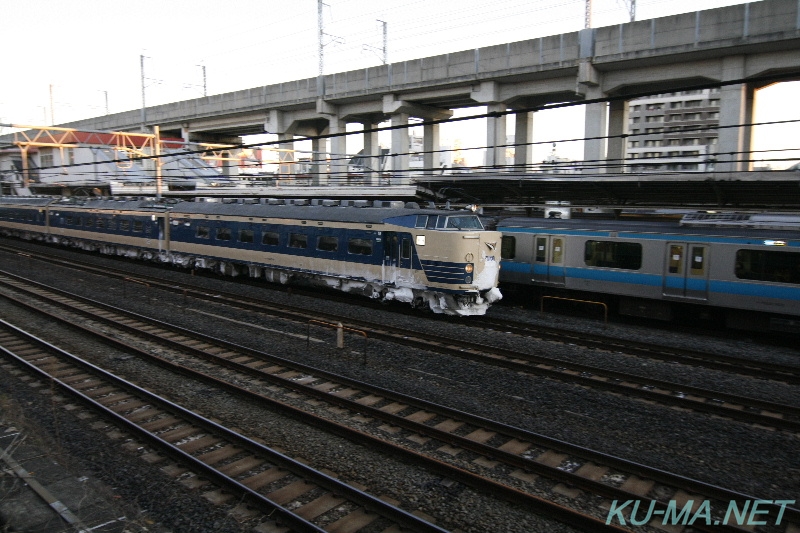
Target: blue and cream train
column 442, row 260
column 740, row 267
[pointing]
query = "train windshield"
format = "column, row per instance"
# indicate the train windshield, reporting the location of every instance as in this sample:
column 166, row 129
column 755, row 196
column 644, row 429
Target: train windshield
column 460, row 222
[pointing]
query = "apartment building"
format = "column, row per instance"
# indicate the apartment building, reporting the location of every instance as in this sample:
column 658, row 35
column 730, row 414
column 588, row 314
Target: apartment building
column 673, row 132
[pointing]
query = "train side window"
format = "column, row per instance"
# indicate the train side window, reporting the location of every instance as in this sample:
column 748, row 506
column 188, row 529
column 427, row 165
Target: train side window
column 298, row 240
column 432, row 221
column 613, row 254
column 405, row 250
column 69, row 220
column 676, row 259
column 508, row 247
column 202, row 232
column 137, row 226
column 422, row 221
column 89, row 222
column 271, row 238
column 359, row 246
column 112, row 224
column 697, row 264
column 762, row 265
column 246, row 235
column 101, row 223
column 558, row 250
column 223, row 234
column 541, row 249
column 124, row 225
column 327, row 243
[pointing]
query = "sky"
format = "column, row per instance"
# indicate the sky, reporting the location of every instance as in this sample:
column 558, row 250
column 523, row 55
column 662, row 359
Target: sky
column 66, row 61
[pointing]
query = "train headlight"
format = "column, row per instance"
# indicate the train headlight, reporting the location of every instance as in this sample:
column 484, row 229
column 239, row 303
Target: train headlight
column 469, row 268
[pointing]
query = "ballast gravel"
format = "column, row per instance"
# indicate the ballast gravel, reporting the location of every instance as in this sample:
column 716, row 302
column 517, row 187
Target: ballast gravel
column 755, row 461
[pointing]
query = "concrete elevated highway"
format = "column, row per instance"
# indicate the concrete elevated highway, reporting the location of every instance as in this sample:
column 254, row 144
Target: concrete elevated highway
column 739, row 48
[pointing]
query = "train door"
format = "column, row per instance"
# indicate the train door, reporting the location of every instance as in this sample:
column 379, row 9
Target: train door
column 548, row 259
column 686, row 271
column 396, row 257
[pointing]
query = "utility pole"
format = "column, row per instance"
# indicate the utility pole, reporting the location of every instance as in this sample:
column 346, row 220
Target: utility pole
column 385, row 51
column 205, row 93
column 321, row 32
column 52, row 113
column 588, row 15
column 144, row 113
column 385, row 43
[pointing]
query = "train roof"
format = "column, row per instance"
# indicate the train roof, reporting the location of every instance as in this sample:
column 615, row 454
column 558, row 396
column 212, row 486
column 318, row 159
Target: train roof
column 357, row 211
column 332, row 213
column 28, row 201
column 676, row 227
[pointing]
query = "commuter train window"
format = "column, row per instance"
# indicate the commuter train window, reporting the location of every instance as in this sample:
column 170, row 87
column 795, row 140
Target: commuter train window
column 327, row 243
column 359, row 246
column 541, row 249
column 508, row 247
column 137, row 226
column 298, row 240
column 223, row 234
column 763, row 265
column 613, row 254
column 202, row 232
column 271, row 238
column 422, row 221
column 246, row 235
column 697, row 263
column 125, row 225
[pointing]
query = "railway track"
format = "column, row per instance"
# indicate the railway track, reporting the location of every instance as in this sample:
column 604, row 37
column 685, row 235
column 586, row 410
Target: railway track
column 749, row 410
column 399, row 424
column 705, row 359
column 739, row 365
column 255, row 474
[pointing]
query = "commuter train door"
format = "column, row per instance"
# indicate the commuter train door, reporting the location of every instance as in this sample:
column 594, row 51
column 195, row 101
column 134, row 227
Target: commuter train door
column 548, row 259
column 396, row 257
column 686, row 271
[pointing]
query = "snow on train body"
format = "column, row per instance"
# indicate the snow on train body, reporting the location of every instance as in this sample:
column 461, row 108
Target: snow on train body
column 443, row 260
column 744, row 267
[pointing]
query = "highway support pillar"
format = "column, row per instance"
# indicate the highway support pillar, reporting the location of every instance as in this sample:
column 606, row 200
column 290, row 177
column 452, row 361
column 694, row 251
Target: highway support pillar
column 736, row 111
column 523, row 137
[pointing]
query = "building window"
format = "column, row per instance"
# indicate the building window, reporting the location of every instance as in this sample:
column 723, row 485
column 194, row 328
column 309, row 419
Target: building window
column 714, row 115
column 693, row 103
column 654, row 130
column 675, row 105
column 633, row 144
column 634, row 120
column 655, row 118
column 714, row 102
column 46, row 159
